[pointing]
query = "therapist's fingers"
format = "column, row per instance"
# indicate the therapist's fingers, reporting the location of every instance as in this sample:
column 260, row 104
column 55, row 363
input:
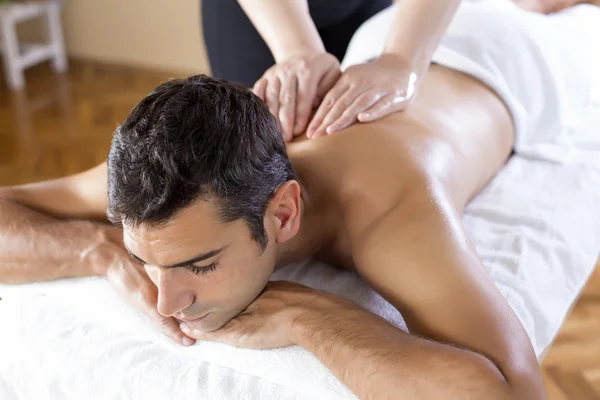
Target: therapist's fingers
column 287, row 105
column 311, row 89
column 387, row 105
column 327, row 82
column 325, row 107
column 306, row 100
column 348, row 117
column 341, row 105
column 272, row 97
column 260, row 88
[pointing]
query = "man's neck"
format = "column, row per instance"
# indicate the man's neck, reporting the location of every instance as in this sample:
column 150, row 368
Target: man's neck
column 316, row 229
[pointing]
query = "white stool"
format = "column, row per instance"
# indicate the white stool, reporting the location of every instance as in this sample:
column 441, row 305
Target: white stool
column 17, row 59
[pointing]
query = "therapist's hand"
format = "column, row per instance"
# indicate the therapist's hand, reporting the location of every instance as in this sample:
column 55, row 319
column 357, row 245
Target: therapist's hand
column 294, row 87
column 365, row 93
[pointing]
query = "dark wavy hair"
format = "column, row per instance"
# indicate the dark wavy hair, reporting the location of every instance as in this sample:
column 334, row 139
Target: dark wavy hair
column 196, row 138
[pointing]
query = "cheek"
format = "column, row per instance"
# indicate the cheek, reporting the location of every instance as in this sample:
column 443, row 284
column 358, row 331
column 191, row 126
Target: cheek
column 246, row 281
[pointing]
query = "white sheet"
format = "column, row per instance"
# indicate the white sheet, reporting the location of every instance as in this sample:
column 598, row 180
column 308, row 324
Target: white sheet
column 535, row 227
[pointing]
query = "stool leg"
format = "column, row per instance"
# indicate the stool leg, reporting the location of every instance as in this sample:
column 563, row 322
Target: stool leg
column 12, row 66
column 59, row 62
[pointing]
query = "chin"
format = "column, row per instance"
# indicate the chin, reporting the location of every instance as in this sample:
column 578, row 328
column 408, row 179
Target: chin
column 212, row 322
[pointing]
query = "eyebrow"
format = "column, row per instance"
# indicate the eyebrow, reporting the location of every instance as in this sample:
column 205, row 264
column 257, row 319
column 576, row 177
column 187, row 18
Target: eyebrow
column 196, row 259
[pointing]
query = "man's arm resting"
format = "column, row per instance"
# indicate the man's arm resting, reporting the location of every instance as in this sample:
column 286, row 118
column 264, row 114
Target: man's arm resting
column 37, row 247
column 378, row 361
column 46, row 229
column 419, row 259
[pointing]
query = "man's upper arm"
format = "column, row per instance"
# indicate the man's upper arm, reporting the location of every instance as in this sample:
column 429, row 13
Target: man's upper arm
column 79, row 196
column 420, row 261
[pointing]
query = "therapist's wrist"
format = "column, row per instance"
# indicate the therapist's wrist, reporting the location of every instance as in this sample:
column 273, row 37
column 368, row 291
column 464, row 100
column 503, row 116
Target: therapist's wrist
column 301, row 51
column 413, row 63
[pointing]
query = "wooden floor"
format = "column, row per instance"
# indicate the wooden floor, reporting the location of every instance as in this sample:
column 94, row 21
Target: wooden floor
column 63, row 125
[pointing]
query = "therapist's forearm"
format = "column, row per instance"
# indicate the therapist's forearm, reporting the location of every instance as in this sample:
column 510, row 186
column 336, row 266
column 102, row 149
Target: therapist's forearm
column 378, row 361
column 285, row 25
column 37, row 247
column 418, row 28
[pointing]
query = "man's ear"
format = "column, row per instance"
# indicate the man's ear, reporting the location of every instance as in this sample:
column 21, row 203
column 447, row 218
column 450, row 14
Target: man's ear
column 285, row 210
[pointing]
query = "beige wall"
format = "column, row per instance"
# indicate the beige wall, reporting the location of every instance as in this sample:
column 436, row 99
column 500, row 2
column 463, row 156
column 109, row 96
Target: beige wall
column 154, row 34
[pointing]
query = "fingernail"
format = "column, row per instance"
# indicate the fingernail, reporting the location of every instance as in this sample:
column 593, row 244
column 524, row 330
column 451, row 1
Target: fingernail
column 183, row 326
column 364, row 116
column 187, row 341
column 332, row 129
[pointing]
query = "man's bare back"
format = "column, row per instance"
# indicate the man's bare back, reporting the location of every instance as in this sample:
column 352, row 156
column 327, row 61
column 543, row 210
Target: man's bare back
column 459, row 127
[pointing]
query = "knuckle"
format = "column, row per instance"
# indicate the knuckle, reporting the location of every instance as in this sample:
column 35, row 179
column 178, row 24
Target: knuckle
column 267, row 76
column 339, row 109
column 285, row 68
column 346, row 102
column 272, row 94
column 366, row 101
column 285, row 99
column 358, row 82
column 303, row 66
column 347, row 114
column 328, row 102
column 165, row 323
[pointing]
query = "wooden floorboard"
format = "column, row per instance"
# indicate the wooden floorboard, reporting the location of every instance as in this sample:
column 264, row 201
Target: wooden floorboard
column 63, row 124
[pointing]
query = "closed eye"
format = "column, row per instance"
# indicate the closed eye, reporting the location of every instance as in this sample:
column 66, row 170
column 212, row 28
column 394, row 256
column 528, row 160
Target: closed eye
column 202, row 270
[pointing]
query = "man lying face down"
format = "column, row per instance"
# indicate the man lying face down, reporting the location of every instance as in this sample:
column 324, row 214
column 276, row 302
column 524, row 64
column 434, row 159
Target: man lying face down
column 211, row 201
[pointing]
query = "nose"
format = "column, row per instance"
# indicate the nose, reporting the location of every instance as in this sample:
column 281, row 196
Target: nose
column 173, row 296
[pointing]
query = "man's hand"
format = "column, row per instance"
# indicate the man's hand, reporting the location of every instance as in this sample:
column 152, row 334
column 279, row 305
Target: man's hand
column 267, row 322
column 292, row 88
column 365, row 93
column 130, row 280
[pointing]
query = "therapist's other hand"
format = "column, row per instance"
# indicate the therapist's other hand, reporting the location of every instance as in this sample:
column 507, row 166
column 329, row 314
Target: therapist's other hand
column 131, row 281
column 365, row 93
column 294, row 87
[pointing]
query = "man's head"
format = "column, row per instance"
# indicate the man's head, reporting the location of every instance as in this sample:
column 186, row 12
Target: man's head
column 199, row 178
